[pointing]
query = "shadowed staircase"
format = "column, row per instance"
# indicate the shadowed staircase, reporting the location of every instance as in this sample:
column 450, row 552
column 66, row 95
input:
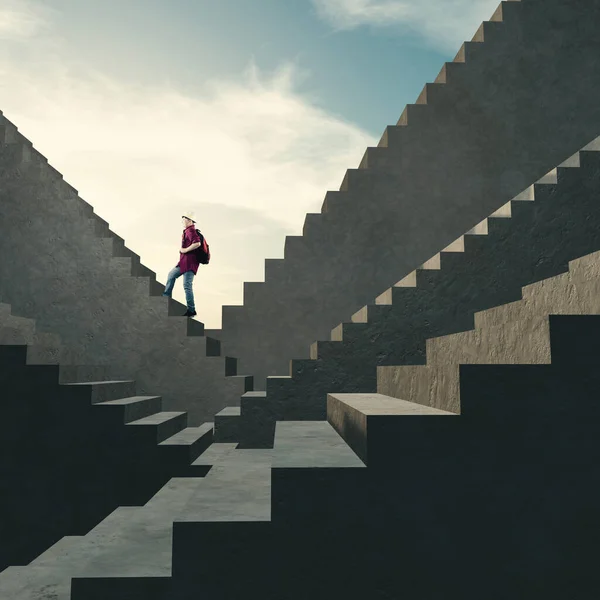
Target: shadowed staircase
column 510, row 486
column 443, row 444
column 87, row 443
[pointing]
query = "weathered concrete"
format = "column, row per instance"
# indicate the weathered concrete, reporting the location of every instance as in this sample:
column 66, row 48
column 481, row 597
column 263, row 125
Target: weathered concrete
column 96, row 295
column 515, row 333
column 356, row 417
column 532, row 237
column 522, row 101
column 73, row 452
column 136, row 543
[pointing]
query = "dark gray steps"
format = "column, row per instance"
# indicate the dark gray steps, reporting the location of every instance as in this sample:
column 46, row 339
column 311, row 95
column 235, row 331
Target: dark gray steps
column 307, row 460
column 358, row 417
column 98, row 391
column 257, row 422
column 132, row 408
column 227, row 424
column 274, row 268
column 186, row 446
column 160, row 426
column 134, row 544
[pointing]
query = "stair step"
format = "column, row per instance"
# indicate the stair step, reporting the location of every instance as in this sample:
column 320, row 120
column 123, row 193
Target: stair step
column 237, row 488
column 188, row 436
column 311, row 444
column 215, row 453
column 227, row 423
column 360, row 419
column 27, row 326
column 188, row 444
column 57, row 549
column 37, row 582
column 161, row 425
column 101, row 391
column 314, row 475
column 134, row 408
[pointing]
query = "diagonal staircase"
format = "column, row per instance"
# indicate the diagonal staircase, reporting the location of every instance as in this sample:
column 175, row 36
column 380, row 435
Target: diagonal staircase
column 521, row 332
column 532, row 237
column 497, row 118
column 120, row 318
column 87, row 443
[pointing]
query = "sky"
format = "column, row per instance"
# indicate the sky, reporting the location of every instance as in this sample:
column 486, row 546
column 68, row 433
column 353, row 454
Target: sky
column 243, row 111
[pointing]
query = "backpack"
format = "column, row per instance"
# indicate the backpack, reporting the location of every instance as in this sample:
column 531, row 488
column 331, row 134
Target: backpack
column 202, row 251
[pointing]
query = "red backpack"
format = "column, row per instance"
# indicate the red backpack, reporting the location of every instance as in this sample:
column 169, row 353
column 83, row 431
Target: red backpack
column 202, row 251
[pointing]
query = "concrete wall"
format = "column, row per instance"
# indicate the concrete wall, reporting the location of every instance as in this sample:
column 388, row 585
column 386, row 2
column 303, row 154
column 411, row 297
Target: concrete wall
column 514, row 103
column 59, row 267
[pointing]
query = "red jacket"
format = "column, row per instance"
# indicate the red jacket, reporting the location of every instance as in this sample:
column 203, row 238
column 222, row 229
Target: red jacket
column 189, row 260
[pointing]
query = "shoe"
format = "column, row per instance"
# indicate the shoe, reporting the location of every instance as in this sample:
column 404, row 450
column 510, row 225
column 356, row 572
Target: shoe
column 188, row 313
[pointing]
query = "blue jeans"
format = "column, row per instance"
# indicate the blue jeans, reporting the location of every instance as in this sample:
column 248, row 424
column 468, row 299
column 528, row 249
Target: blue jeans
column 188, row 278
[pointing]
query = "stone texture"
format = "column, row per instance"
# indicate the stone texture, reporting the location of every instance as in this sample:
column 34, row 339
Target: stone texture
column 515, row 333
column 127, row 327
column 499, row 117
column 532, row 237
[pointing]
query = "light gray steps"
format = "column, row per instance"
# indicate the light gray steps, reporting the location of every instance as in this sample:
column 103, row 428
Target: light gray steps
column 215, row 453
column 237, row 488
column 36, row 582
column 137, row 541
column 316, row 476
column 63, row 545
column 356, row 417
column 188, row 435
column 521, row 335
column 312, row 444
column 7, row 319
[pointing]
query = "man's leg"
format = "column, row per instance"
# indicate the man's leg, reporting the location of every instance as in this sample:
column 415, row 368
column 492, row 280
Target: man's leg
column 174, row 273
column 188, row 280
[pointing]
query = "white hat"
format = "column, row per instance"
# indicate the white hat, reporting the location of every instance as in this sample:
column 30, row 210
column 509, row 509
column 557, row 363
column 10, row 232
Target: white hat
column 189, row 216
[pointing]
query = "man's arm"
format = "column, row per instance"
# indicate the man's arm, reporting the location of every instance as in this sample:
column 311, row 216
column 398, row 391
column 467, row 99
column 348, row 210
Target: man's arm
column 192, row 247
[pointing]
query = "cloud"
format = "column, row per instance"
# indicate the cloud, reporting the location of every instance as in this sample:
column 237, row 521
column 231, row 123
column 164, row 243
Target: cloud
column 21, row 19
column 444, row 24
column 251, row 156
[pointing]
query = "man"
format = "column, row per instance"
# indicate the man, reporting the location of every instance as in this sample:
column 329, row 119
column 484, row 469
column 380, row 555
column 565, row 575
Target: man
column 187, row 265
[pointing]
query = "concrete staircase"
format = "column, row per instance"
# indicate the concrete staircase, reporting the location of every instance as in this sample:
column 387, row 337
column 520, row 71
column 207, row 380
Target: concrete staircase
column 528, row 331
column 497, row 118
column 533, row 236
column 130, row 553
column 61, row 250
column 78, row 444
column 510, row 486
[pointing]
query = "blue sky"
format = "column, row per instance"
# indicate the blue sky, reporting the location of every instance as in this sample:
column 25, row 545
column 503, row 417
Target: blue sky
column 246, row 112
column 366, row 75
